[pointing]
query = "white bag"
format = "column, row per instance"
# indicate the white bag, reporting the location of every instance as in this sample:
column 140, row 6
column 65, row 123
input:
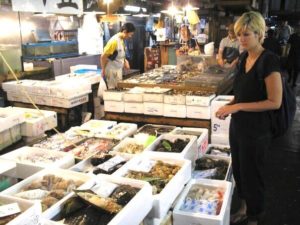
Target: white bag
column 102, row 87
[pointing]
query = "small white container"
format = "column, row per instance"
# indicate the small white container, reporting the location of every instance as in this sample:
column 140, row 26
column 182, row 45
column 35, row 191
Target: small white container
column 155, row 109
column 198, row 112
column 110, row 95
column 113, row 106
column 196, row 100
column 178, row 111
column 134, row 107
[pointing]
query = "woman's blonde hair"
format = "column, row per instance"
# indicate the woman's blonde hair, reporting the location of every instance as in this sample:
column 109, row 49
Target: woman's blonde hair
column 252, row 21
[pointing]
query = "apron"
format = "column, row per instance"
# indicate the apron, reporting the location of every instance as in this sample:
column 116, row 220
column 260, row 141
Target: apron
column 114, row 68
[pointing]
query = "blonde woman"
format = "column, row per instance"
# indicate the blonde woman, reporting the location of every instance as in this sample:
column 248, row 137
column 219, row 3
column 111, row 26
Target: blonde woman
column 257, row 90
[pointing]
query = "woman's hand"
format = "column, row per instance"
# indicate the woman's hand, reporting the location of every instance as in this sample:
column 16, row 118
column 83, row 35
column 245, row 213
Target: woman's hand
column 126, row 65
column 225, row 110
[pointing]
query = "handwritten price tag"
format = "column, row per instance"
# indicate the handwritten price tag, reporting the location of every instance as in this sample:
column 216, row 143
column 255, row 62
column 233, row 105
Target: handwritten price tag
column 9, row 209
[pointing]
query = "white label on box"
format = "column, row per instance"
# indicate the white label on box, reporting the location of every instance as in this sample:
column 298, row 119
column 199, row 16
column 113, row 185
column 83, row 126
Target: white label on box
column 111, row 163
column 104, row 189
column 143, row 165
column 9, row 209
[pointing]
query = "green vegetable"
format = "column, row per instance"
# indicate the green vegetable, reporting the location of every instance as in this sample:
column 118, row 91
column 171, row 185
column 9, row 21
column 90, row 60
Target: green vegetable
column 166, row 145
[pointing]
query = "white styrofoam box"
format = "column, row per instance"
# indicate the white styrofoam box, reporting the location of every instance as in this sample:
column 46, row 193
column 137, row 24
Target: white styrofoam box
column 10, row 136
column 155, row 109
column 165, row 198
column 211, row 146
column 82, row 66
column 7, row 165
column 126, row 141
column 220, row 139
column 91, row 77
column 112, row 95
column 201, row 133
column 228, row 175
column 178, row 111
column 155, row 94
column 14, row 97
column 70, row 103
column 120, row 131
column 98, row 125
column 198, row 112
column 219, row 126
column 132, row 213
column 26, row 168
column 134, row 107
column 9, row 118
column 181, row 217
column 165, row 220
column 134, row 95
column 42, row 100
column 113, row 106
column 189, row 152
column 10, row 86
column 199, row 100
column 35, row 123
column 30, row 211
column 65, row 174
column 174, row 99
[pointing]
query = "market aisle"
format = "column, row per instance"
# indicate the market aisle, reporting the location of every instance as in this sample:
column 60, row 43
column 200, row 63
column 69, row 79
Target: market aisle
column 283, row 177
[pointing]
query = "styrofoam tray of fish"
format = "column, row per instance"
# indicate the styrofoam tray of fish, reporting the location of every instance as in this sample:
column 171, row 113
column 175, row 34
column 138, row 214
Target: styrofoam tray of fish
column 174, row 146
column 113, row 95
column 219, row 150
column 49, row 186
column 155, row 129
column 16, row 211
column 120, row 131
column 9, row 118
column 130, row 146
column 213, row 167
column 31, row 160
column 127, row 212
column 202, row 137
column 99, row 125
column 80, row 131
column 163, row 199
column 199, row 100
column 204, row 211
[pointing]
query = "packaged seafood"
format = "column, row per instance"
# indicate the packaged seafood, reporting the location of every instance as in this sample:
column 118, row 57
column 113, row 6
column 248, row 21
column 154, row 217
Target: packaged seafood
column 155, row 130
column 219, row 150
column 120, row 131
column 98, row 125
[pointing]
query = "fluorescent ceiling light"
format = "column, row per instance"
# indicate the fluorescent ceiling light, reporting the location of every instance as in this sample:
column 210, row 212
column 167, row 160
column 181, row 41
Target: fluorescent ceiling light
column 133, row 8
column 189, row 7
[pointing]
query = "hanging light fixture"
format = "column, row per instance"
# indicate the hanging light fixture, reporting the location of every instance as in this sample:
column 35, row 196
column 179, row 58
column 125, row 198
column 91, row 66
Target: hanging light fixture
column 172, row 10
column 141, row 13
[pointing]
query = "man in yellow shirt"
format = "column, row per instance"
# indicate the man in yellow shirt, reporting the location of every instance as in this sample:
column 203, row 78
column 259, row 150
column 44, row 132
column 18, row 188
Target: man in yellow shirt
column 113, row 58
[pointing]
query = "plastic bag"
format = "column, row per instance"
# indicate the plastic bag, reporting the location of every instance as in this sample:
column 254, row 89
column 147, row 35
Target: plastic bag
column 102, row 87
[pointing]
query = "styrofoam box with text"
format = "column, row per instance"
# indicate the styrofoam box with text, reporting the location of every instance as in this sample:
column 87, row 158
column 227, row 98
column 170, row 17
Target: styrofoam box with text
column 163, row 201
column 69, row 103
column 178, row 111
column 39, row 123
column 30, row 211
column 134, row 95
column 113, row 106
column 128, row 130
column 98, row 125
column 181, row 217
column 201, row 133
column 155, row 95
column 112, row 95
column 26, row 168
column 14, row 96
column 133, row 212
column 219, row 126
column 174, row 99
column 198, row 112
column 189, row 152
column 155, row 109
column 65, row 174
column 134, row 107
column 9, row 118
column 199, row 100
column 220, row 139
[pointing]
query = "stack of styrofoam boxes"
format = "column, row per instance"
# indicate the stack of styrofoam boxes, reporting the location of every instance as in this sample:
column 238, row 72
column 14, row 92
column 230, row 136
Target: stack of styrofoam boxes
column 35, row 123
column 162, row 201
column 65, row 93
column 220, row 128
column 113, row 101
column 198, row 107
column 26, row 167
column 154, row 101
column 131, row 214
column 174, row 106
column 223, row 218
column 133, row 101
column 30, row 211
column 10, row 126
